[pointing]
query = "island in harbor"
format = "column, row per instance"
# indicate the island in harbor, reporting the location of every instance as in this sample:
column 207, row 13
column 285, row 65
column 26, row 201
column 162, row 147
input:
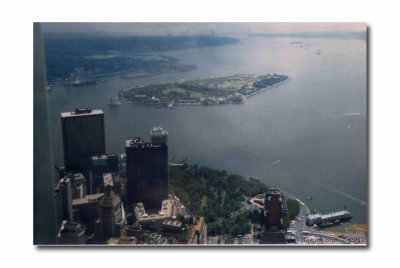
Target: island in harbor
column 211, row 91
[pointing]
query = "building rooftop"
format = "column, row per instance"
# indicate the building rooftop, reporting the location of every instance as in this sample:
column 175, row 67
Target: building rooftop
column 274, row 191
column 81, row 112
column 102, row 157
column 258, row 201
column 334, row 214
column 158, row 132
column 134, row 142
column 172, row 223
column 108, row 179
column 328, row 216
column 166, row 211
column 313, row 217
column 138, row 143
column 77, row 177
column 88, row 199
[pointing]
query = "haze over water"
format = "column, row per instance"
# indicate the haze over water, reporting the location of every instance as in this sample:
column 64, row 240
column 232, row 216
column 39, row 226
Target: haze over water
column 307, row 136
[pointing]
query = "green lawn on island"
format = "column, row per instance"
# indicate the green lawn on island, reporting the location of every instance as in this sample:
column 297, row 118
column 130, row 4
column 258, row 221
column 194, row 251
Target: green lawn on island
column 173, row 89
column 179, row 90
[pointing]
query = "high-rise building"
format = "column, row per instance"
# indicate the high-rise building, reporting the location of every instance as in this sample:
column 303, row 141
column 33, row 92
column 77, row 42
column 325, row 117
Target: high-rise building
column 44, row 210
column 158, row 135
column 111, row 214
column 83, row 137
column 275, row 217
column 147, row 172
column 63, row 196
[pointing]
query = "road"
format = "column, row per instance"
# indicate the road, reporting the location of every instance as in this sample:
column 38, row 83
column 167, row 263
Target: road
column 300, row 222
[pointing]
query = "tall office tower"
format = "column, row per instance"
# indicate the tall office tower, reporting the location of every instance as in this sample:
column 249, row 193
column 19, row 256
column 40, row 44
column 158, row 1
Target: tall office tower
column 63, row 196
column 100, row 164
column 111, row 214
column 83, row 137
column 147, row 172
column 158, row 135
column 44, row 210
column 275, row 217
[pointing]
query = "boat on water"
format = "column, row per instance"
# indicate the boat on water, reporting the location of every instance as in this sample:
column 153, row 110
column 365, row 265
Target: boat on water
column 309, row 197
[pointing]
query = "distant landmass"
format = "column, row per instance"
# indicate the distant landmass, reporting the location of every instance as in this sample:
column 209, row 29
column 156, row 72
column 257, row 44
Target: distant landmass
column 327, row 35
column 101, row 54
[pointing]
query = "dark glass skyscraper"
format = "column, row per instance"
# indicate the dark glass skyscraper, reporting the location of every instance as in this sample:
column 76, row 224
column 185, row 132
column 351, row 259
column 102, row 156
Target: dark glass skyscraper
column 147, row 172
column 83, row 137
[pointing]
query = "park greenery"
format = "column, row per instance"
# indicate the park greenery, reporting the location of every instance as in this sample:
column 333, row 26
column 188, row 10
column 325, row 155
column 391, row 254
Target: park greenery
column 219, row 197
column 293, row 209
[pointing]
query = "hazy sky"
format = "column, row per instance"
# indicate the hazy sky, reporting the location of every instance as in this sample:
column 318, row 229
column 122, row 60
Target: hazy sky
column 203, row 28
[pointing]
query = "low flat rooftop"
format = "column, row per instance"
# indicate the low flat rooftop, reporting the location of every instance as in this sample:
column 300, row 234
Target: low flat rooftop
column 73, row 114
column 158, row 131
column 258, row 201
column 129, row 143
column 166, row 211
column 335, row 214
column 329, row 215
column 88, row 199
